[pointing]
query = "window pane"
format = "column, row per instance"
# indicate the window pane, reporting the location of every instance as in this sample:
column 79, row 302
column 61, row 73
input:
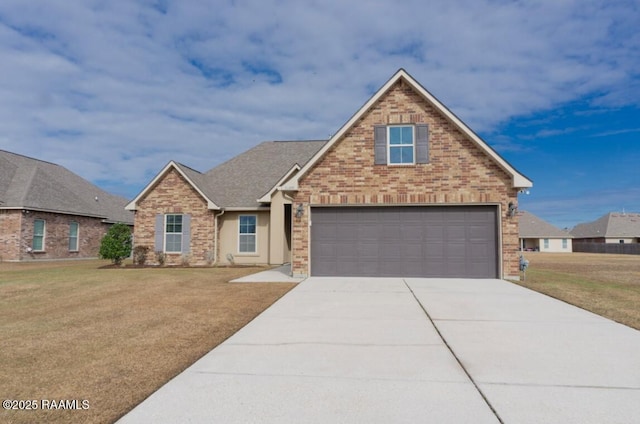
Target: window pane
column 407, row 154
column 38, row 235
column 407, row 135
column 174, row 243
column 247, row 224
column 247, row 243
column 174, row 224
column 395, row 135
column 73, row 236
column 395, row 155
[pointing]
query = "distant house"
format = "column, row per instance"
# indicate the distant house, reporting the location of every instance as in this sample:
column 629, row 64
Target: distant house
column 614, row 227
column 538, row 235
column 48, row 212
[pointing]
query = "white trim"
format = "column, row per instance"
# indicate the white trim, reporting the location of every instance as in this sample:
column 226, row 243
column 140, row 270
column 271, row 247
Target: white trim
column 255, row 235
column 518, row 180
column 132, row 205
column 267, row 197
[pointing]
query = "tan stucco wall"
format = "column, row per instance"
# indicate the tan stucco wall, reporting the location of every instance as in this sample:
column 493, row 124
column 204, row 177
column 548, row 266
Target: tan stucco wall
column 459, row 172
column 228, row 226
column 555, row 246
column 279, row 251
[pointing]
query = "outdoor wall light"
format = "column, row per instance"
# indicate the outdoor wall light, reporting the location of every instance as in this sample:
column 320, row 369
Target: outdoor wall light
column 512, row 209
column 299, row 210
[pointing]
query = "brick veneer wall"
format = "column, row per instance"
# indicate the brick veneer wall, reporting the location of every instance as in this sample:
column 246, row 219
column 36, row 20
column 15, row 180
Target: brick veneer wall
column 173, row 194
column 10, row 221
column 56, row 239
column 458, row 173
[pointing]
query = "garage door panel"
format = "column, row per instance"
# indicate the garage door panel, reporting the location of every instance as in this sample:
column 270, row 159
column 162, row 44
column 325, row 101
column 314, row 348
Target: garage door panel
column 405, row 241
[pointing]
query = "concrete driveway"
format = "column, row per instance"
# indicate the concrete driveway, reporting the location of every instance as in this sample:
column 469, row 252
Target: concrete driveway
column 355, row 350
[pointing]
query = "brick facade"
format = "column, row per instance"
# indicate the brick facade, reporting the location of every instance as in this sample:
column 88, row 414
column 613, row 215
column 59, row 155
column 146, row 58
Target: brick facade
column 174, row 195
column 10, row 221
column 458, row 172
column 17, row 235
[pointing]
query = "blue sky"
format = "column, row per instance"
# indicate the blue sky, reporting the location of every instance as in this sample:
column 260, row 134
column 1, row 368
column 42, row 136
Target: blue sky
column 113, row 90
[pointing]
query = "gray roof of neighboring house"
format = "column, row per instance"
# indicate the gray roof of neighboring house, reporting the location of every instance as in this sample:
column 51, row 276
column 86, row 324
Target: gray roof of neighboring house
column 533, row 227
column 240, row 181
column 613, row 224
column 28, row 183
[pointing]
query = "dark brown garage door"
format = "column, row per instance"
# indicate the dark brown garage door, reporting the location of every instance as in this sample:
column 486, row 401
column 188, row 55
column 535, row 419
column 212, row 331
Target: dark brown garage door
column 457, row 241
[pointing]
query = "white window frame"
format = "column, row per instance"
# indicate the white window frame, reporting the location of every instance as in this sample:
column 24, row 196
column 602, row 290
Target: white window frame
column 43, row 235
column 565, row 243
column 254, row 234
column 167, row 233
column 546, row 243
column 390, row 146
column 77, row 236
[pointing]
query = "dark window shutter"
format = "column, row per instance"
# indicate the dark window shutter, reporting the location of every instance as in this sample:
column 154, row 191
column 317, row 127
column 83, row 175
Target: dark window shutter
column 380, row 144
column 186, row 233
column 422, row 143
column 159, row 236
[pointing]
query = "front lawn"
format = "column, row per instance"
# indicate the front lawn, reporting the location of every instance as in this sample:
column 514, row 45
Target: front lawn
column 111, row 337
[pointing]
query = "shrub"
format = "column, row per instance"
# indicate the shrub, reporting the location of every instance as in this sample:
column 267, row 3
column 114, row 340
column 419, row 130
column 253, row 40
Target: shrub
column 140, row 255
column 160, row 257
column 116, row 244
column 185, row 259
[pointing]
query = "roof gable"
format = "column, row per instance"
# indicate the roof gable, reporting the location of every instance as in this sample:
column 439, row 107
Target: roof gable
column 518, row 180
column 193, row 178
column 245, row 180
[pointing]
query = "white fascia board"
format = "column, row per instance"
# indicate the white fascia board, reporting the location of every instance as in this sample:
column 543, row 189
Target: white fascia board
column 132, row 206
column 267, row 197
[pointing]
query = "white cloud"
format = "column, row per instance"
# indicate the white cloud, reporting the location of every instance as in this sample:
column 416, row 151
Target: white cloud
column 114, row 90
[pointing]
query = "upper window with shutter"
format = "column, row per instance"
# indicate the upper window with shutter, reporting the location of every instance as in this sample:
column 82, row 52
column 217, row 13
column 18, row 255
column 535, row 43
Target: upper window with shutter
column 401, row 144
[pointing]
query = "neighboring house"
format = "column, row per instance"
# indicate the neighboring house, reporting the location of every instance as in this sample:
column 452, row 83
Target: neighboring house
column 613, row 227
column 404, row 188
column 538, row 235
column 48, row 212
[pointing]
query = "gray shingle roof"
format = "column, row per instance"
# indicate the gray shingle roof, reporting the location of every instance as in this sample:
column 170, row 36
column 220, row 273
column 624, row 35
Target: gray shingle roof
column 29, row 183
column 533, row 227
column 240, row 181
column 613, row 224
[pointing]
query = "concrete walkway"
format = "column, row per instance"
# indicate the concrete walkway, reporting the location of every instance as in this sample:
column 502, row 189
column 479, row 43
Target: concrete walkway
column 354, row 350
column 281, row 274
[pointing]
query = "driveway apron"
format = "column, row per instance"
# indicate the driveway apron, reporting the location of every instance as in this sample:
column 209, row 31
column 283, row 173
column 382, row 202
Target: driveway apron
column 351, row 350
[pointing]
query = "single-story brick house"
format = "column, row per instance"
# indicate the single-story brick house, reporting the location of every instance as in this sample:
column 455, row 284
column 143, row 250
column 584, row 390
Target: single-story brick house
column 538, row 235
column 404, row 188
column 48, row 212
column 614, row 227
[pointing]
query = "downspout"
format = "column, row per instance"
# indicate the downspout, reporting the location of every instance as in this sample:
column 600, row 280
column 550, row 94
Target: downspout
column 215, row 236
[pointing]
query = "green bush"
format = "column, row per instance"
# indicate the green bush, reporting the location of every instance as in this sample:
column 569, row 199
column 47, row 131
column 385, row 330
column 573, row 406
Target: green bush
column 116, row 244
